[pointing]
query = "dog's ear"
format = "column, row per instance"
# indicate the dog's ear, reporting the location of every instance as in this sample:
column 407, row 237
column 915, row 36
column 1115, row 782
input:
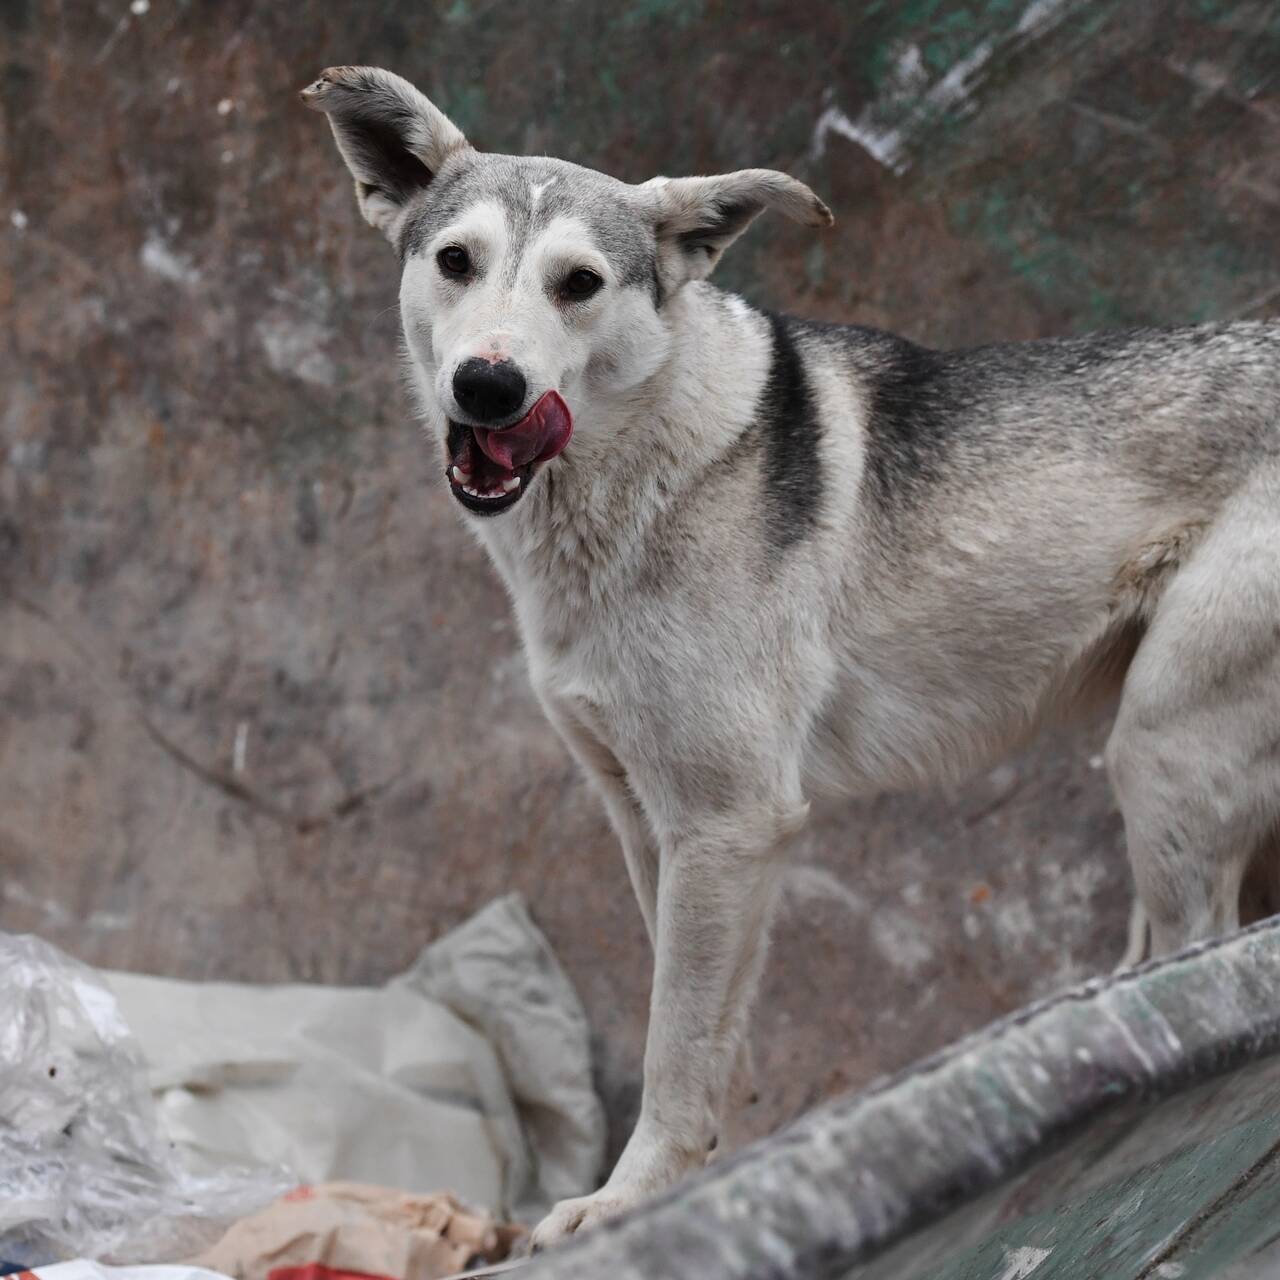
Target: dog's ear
column 392, row 137
column 697, row 219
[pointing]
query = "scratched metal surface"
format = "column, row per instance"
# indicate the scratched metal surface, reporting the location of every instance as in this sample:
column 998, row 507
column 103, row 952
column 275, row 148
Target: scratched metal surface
column 262, row 711
column 1124, row 1131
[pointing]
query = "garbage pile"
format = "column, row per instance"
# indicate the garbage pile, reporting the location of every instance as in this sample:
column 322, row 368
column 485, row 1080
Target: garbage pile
column 291, row 1132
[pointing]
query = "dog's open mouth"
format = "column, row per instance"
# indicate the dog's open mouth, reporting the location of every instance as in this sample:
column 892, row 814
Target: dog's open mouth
column 489, row 470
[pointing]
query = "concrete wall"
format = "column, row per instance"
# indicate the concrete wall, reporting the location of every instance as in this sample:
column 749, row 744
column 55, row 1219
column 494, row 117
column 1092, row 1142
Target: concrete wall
column 262, row 709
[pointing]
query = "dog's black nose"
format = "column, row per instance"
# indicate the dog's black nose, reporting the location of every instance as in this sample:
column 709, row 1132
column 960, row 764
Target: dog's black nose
column 488, row 392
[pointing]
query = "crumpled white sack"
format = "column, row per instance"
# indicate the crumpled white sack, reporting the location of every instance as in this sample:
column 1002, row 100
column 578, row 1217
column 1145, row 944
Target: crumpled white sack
column 470, row 1072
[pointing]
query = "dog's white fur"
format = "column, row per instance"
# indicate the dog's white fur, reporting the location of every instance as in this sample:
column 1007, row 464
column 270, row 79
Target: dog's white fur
column 446, row 322
column 709, row 674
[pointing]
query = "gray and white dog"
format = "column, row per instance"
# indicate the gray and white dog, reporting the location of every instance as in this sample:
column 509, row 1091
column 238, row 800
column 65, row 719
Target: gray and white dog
column 753, row 557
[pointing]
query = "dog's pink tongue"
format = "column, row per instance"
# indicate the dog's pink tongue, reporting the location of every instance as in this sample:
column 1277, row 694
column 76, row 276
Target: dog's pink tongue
column 540, row 434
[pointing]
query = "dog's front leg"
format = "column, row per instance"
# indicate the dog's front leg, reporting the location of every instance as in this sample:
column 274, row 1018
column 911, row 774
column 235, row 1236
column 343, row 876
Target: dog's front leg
column 579, row 731
column 715, row 897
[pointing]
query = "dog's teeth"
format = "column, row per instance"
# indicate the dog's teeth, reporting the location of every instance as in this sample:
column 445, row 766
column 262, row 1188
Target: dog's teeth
column 487, row 495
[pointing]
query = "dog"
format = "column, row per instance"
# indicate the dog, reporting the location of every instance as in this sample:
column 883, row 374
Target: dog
column 755, row 558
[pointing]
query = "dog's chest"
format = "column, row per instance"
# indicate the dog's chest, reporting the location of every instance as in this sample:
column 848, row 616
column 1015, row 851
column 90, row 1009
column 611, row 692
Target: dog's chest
column 585, row 653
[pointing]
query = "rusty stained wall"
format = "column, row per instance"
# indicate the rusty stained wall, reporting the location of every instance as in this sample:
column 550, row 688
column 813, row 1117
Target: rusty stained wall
column 262, row 709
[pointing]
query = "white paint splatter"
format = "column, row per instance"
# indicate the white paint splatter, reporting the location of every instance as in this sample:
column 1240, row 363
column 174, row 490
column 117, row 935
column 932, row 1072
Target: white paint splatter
column 808, row 883
column 239, row 750
column 1076, row 886
column 295, row 347
column 1015, row 923
column 55, row 914
column 1171, row 1270
column 908, row 106
column 226, row 106
column 108, row 921
column 19, row 220
column 1096, row 762
column 884, row 148
column 1148, row 1064
column 1020, row 1263
column 140, row 7
column 900, row 940
column 161, row 259
column 1037, row 16
column 909, row 103
column 1129, row 1207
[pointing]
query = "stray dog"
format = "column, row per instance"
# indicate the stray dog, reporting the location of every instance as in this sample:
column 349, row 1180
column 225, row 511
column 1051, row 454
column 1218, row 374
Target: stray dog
column 753, row 556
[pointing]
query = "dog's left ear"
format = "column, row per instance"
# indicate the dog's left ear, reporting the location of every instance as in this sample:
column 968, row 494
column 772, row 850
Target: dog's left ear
column 393, row 138
column 697, row 219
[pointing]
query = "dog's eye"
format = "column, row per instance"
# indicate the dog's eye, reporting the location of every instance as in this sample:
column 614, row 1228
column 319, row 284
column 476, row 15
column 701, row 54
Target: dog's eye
column 454, row 260
column 580, row 284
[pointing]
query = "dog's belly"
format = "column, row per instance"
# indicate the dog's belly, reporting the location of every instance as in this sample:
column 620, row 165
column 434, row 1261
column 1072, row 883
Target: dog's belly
column 940, row 719
column 983, row 628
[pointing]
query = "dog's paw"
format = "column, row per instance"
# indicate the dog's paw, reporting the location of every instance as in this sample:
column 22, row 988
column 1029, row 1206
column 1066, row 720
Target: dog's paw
column 572, row 1216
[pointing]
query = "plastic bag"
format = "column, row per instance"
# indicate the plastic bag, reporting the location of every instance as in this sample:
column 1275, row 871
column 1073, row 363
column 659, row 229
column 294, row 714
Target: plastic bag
column 84, row 1169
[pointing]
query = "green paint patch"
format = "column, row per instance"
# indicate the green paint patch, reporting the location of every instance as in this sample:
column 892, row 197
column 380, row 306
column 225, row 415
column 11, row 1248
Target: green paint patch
column 1237, row 15
column 1055, row 266
column 945, row 32
column 1116, row 249
column 680, row 13
column 468, row 108
column 1121, row 1227
column 609, row 83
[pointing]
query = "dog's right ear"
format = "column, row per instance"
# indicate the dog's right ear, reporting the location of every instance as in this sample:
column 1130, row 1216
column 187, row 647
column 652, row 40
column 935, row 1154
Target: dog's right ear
column 392, row 137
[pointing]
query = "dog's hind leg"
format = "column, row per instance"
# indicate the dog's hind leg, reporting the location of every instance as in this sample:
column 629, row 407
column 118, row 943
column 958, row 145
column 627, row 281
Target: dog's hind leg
column 1137, row 945
column 1259, row 898
column 1195, row 753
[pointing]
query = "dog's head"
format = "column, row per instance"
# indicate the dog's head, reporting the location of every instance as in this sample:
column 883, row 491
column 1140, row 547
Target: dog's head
column 532, row 289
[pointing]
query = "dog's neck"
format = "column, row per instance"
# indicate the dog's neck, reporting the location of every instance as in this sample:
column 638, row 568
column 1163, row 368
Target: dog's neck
column 636, row 456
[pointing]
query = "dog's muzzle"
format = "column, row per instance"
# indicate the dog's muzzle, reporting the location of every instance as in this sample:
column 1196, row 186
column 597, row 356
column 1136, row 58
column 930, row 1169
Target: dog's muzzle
column 489, row 470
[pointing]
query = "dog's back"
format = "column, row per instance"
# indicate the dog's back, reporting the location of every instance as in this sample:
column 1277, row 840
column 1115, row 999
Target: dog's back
column 1173, row 409
column 1010, row 520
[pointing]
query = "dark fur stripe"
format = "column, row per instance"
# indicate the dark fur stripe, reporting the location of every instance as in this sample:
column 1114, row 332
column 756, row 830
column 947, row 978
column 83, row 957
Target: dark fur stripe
column 908, row 422
column 790, row 430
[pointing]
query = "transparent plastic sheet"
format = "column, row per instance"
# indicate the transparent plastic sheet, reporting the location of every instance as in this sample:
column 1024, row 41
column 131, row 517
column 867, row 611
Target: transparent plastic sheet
column 84, row 1168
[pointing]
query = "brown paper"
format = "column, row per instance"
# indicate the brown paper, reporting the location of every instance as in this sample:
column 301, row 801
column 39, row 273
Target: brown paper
column 339, row 1230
